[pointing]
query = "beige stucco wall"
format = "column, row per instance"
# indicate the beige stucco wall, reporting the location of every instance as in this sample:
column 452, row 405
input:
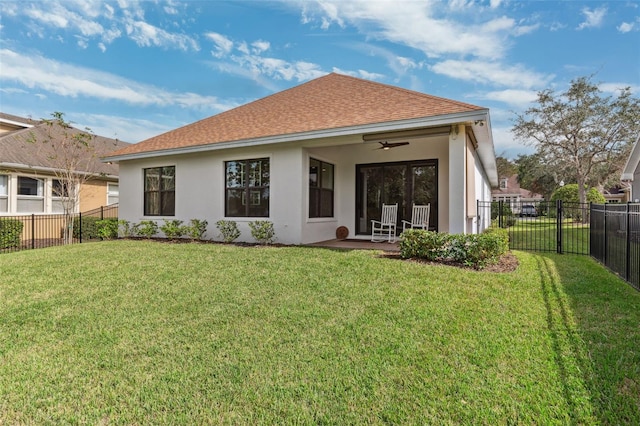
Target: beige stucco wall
column 93, row 195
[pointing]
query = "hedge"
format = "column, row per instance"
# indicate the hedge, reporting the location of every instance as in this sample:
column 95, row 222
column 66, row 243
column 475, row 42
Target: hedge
column 10, row 231
column 475, row 250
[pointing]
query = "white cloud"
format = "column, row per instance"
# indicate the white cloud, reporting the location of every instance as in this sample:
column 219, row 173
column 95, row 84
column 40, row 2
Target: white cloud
column 145, row 34
column 38, row 72
column 260, row 46
column 520, row 99
column 615, row 88
column 122, row 128
column 625, row 27
column 416, row 25
column 360, row 74
column 491, row 73
column 593, row 18
column 223, row 45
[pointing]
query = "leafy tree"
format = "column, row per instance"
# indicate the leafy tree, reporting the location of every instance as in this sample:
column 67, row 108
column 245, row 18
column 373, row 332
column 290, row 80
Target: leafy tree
column 580, row 132
column 71, row 155
column 535, row 176
column 506, row 167
column 569, row 193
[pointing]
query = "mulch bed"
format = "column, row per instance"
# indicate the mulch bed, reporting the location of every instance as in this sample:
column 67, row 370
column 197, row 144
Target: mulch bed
column 507, row 263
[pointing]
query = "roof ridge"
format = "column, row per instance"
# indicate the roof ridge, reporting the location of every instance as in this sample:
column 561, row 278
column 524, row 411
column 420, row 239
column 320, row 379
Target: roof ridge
column 402, row 89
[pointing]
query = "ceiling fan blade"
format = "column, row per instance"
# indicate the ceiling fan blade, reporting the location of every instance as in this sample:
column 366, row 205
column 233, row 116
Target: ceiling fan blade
column 388, row 145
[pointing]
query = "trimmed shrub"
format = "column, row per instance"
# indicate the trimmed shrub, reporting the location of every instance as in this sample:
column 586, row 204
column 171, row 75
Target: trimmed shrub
column 262, row 231
column 474, row 250
column 125, row 228
column 146, row 228
column 108, row 228
column 89, row 227
column 421, row 244
column 196, row 229
column 10, row 231
column 173, row 229
column 569, row 194
column 228, row 230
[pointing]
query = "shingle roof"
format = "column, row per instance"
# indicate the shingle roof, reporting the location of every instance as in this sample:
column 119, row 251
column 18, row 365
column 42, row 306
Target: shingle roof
column 30, row 147
column 330, row 102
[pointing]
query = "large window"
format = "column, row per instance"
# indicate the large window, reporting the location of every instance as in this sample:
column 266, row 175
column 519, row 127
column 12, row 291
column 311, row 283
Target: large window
column 160, row 191
column 30, row 195
column 320, row 189
column 4, row 193
column 247, row 188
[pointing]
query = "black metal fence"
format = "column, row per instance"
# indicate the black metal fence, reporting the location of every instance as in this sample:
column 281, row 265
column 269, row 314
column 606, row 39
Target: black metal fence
column 39, row 231
column 615, row 239
column 556, row 226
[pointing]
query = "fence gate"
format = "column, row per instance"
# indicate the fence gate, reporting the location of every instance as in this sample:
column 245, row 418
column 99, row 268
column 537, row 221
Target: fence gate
column 556, row 226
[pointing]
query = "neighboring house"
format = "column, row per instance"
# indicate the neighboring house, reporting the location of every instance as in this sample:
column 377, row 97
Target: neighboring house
column 509, row 191
column 631, row 172
column 28, row 179
column 324, row 154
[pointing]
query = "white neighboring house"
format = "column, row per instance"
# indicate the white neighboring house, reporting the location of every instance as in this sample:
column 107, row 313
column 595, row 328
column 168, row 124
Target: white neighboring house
column 321, row 155
column 631, row 172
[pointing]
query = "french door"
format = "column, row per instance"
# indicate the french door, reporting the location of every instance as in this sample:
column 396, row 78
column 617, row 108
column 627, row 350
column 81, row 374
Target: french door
column 405, row 183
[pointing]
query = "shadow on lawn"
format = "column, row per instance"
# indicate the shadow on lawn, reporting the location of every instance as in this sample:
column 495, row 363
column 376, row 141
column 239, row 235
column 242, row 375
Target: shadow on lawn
column 594, row 320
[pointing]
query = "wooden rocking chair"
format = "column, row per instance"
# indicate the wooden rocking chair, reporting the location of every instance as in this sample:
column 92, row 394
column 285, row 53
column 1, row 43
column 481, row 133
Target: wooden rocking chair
column 385, row 228
column 419, row 218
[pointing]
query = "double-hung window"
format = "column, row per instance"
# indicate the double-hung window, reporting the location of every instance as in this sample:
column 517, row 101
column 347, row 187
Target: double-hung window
column 112, row 193
column 160, row 191
column 59, row 195
column 4, row 193
column 320, row 189
column 30, row 195
column 247, row 188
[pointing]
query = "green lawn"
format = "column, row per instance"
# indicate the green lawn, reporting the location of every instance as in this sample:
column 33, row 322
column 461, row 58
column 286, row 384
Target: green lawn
column 540, row 234
column 133, row 332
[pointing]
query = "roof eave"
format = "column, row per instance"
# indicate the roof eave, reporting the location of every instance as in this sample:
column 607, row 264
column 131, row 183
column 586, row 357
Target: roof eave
column 433, row 121
column 632, row 162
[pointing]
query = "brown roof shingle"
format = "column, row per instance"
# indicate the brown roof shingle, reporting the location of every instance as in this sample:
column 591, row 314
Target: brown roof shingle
column 36, row 147
column 329, row 102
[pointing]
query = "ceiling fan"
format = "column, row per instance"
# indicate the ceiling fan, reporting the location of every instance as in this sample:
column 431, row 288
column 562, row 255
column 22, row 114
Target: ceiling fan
column 388, row 145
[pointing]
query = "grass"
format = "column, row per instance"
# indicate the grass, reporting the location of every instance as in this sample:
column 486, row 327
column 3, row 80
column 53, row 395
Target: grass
column 541, row 234
column 133, row 332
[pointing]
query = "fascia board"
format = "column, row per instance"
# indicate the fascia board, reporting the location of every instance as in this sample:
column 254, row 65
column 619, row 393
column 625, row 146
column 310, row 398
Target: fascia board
column 440, row 120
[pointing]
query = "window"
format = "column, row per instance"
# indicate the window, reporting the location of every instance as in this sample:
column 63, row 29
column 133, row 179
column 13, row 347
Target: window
column 160, row 191
column 320, row 189
column 59, row 191
column 113, row 193
column 503, row 183
column 30, row 195
column 247, row 188
column 4, row 193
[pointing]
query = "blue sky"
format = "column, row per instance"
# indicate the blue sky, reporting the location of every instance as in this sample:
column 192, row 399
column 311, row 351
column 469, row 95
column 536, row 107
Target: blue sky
column 132, row 70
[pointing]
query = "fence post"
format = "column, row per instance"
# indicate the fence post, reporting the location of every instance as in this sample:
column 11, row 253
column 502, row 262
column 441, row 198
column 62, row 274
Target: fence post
column 605, row 254
column 79, row 227
column 101, row 212
column 33, row 231
column 559, row 226
column 627, row 257
column 500, row 202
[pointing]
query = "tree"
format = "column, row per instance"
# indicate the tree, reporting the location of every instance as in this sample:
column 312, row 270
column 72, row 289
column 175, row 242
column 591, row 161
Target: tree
column 581, row 133
column 71, row 153
column 506, row 168
column 535, row 176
